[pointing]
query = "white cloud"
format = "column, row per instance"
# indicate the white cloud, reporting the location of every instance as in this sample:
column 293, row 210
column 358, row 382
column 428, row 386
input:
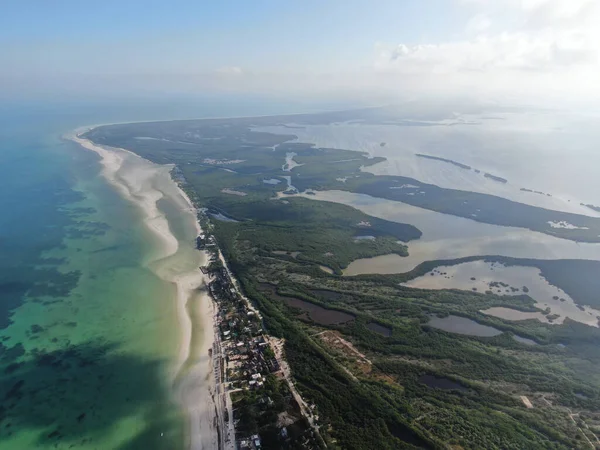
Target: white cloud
column 504, row 51
column 542, row 44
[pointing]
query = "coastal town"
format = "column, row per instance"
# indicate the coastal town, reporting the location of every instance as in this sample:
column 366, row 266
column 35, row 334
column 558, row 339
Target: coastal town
column 257, row 403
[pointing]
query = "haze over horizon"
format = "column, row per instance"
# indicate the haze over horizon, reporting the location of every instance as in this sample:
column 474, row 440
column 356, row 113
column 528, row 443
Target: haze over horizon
column 514, row 50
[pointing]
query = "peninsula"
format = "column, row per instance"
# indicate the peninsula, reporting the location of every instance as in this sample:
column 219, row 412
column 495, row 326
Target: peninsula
column 370, row 360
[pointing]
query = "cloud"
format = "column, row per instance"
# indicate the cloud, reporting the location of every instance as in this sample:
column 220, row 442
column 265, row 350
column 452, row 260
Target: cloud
column 544, row 44
column 505, row 51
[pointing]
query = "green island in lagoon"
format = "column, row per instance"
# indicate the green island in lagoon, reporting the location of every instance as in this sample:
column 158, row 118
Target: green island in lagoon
column 372, row 357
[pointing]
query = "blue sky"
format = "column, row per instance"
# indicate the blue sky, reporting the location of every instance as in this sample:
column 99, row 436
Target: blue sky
column 259, row 35
column 263, row 44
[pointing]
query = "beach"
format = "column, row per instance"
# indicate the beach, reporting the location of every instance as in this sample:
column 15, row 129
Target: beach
column 150, row 188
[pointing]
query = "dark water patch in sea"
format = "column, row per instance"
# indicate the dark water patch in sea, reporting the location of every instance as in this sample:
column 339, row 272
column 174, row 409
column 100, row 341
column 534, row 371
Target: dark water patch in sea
column 11, row 296
column 36, row 219
column 85, row 229
column 111, row 248
column 72, row 396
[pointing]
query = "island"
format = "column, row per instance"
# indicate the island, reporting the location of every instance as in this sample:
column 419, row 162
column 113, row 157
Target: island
column 535, row 192
column 593, row 207
column 437, row 158
column 226, row 143
column 495, row 178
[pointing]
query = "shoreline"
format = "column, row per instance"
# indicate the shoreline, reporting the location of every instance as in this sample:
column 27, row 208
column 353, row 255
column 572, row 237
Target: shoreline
column 193, row 388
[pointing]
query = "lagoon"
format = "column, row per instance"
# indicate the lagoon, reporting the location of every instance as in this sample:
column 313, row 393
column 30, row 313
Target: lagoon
column 512, row 280
column 450, row 237
column 462, row 325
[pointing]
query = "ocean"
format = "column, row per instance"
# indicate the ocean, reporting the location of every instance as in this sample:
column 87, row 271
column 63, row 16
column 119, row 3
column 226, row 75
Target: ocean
column 88, row 330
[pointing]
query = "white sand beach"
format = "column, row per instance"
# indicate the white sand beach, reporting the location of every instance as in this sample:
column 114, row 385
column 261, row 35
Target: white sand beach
column 144, row 184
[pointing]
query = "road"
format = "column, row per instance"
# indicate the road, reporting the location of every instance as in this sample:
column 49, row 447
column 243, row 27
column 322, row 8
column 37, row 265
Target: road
column 222, row 399
column 277, row 349
column 277, row 345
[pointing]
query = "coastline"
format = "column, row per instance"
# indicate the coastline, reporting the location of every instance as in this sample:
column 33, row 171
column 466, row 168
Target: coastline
column 144, row 184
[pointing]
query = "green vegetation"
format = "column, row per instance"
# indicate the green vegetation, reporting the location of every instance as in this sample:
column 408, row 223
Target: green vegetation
column 230, row 154
column 449, row 161
column 480, row 207
column 257, row 411
column 365, row 385
column 322, row 233
column 577, row 277
column 497, row 370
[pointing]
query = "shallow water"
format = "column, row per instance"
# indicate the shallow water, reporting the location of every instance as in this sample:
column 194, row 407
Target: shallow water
column 516, row 315
column 327, row 269
column 272, row 181
column 462, row 325
column 89, row 340
column 318, row 314
column 527, row 148
column 380, row 329
column 485, row 276
column 289, row 164
column 449, row 237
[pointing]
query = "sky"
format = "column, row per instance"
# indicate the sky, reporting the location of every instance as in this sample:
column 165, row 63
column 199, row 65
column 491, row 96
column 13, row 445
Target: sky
column 549, row 49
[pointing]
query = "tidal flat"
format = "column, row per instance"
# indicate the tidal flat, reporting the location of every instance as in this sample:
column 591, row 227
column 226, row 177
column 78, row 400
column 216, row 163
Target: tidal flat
column 488, row 277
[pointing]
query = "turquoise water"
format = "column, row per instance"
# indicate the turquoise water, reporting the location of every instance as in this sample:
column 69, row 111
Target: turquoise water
column 86, row 329
column 83, row 324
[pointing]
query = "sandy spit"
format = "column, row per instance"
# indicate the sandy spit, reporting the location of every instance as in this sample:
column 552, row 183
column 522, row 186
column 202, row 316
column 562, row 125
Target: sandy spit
column 144, row 184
